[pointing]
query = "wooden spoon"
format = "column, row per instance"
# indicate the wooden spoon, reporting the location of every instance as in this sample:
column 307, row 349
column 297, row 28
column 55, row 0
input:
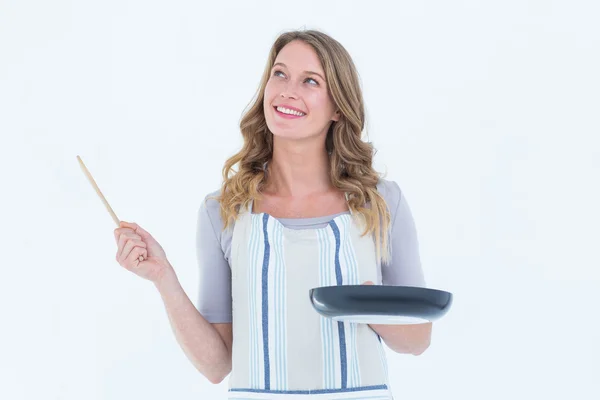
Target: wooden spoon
column 97, row 189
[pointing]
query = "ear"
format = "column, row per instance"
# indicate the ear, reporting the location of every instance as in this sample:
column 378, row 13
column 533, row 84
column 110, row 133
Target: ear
column 336, row 116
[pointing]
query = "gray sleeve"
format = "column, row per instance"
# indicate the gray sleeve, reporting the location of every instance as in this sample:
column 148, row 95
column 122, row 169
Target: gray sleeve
column 214, row 294
column 404, row 269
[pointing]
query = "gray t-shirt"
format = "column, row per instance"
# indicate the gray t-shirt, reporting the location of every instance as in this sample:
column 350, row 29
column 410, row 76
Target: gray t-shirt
column 213, row 249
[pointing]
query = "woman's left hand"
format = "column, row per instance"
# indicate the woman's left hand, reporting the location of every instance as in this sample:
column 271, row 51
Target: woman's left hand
column 411, row 339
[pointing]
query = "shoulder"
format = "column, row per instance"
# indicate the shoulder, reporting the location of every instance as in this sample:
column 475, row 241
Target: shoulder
column 210, row 203
column 209, row 215
column 210, row 225
column 391, row 193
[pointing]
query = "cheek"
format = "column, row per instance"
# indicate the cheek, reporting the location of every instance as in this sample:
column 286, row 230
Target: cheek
column 268, row 95
column 318, row 103
column 271, row 90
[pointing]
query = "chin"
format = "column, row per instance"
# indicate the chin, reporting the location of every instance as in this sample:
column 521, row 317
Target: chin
column 285, row 134
column 282, row 132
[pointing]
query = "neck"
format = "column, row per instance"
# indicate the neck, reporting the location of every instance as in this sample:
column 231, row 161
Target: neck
column 298, row 169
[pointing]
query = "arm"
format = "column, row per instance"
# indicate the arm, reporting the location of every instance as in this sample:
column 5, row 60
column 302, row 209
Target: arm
column 204, row 333
column 403, row 270
column 207, row 346
column 407, row 339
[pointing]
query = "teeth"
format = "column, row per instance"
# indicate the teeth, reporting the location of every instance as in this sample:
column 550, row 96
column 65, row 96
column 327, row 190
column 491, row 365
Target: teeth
column 288, row 111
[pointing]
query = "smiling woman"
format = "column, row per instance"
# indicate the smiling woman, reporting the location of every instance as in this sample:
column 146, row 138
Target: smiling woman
column 300, row 206
column 308, row 106
column 305, row 208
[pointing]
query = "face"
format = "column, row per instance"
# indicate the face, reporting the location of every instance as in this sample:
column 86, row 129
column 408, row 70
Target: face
column 297, row 103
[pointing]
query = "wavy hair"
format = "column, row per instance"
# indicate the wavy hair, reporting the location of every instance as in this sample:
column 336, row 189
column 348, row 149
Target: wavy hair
column 350, row 158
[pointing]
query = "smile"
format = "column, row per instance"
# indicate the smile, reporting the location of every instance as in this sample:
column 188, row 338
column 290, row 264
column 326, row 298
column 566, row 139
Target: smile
column 286, row 112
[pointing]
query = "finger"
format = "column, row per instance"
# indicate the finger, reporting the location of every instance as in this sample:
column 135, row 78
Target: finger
column 125, row 237
column 141, row 257
column 130, row 244
column 133, row 259
column 368, row 283
column 131, row 234
column 120, row 231
column 129, row 225
column 124, row 229
column 121, row 245
column 138, row 229
column 117, row 233
column 126, row 247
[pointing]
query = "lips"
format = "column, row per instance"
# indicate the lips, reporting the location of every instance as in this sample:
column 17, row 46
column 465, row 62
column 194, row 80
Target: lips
column 290, row 108
column 287, row 116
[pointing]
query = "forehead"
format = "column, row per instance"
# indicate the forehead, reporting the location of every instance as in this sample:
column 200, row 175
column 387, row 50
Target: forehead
column 300, row 56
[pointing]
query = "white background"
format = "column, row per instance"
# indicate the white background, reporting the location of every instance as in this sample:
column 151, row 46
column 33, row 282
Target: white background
column 485, row 113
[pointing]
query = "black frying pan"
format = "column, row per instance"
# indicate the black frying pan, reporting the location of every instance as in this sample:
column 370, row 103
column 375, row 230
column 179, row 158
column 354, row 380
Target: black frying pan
column 380, row 304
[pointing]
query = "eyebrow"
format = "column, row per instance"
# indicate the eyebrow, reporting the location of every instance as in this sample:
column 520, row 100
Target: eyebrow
column 306, row 72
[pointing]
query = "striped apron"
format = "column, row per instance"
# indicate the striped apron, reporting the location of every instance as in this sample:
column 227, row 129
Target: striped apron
column 282, row 348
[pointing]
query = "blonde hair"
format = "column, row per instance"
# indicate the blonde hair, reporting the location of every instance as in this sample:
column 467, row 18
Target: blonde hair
column 350, row 158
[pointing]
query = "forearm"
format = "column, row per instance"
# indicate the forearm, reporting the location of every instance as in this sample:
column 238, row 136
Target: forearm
column 409, row 339
column 199, row 340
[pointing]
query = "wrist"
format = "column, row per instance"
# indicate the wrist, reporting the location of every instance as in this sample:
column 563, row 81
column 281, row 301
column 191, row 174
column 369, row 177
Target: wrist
column 167, row 278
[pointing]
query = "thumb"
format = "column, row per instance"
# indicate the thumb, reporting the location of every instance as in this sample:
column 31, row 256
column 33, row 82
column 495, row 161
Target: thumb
column 368, row 283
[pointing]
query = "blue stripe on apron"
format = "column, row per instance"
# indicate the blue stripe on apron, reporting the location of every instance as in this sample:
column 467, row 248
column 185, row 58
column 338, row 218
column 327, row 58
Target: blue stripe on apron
column 354, row 378
column 339, row 281
column 328, row 347
column 316, row 391
column 265, row 304
column 254, row 367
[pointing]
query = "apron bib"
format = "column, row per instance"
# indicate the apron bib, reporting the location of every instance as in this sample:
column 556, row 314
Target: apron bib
column 282, row 348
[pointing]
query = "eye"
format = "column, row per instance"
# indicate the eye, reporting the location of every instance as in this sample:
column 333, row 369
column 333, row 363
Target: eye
column 314, row 82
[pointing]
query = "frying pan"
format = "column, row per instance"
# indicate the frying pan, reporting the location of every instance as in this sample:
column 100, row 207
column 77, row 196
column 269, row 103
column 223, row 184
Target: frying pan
column 380, row 304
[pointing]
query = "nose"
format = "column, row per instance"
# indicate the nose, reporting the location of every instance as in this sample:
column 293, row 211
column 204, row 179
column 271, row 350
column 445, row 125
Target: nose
column 289, row 91
column 289, row 95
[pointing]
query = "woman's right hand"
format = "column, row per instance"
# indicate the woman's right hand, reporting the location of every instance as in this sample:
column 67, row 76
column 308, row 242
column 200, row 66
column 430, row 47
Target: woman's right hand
column 133, row 242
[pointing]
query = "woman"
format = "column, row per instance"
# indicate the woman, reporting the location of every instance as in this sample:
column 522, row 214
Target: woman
column 305, row 208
